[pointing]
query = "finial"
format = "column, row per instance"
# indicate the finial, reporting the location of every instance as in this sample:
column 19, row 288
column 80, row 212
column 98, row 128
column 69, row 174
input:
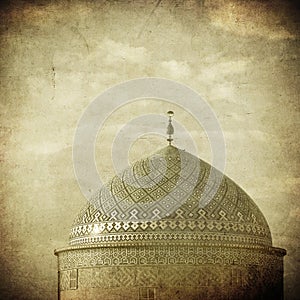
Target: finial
column 170, row 128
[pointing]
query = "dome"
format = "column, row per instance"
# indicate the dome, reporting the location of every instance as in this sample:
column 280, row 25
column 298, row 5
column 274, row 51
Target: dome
column 170, row 227
column 171, row 196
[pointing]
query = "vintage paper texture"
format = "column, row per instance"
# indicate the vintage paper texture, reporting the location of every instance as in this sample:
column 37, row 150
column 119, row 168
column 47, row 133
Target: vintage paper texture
column 56, row 56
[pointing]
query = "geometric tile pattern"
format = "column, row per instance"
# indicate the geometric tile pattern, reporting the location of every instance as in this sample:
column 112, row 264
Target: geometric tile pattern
column 64, row 280
column 167, row 193
column 146, row 276
column 181, row 231
column 197, row 282
column 184, row 254
column 173, row 265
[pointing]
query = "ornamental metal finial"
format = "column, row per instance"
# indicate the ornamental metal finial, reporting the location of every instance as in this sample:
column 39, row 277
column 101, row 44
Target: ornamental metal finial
column 170, row 128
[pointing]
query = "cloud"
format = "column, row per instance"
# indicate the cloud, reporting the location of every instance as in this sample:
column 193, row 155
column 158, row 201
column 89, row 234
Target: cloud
column 120, row 52
column 176, row 69
column 244, row 133
column 223, row 68
column 44, row 148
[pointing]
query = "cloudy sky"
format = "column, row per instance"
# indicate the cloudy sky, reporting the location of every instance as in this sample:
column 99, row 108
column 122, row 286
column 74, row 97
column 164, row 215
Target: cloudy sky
column 58, row 56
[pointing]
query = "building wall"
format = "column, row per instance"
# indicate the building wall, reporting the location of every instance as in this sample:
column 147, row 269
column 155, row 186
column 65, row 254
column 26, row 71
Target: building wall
column 246, row 274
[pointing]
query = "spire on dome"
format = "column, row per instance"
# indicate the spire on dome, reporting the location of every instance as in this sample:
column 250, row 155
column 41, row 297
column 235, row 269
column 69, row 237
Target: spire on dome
column 170, row 128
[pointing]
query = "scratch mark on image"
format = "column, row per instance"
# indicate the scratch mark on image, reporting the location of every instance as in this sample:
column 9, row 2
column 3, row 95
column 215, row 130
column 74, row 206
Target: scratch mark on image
column 53, row 81
column 149, row 17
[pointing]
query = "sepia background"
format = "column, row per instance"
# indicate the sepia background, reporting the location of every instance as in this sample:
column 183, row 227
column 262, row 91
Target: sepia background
column 57, row 56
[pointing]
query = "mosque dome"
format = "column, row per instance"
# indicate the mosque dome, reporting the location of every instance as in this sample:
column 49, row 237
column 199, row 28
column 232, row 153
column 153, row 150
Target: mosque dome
column 171, row 196
column 170, row 226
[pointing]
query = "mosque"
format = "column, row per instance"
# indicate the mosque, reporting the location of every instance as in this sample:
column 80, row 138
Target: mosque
column 170, row 227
